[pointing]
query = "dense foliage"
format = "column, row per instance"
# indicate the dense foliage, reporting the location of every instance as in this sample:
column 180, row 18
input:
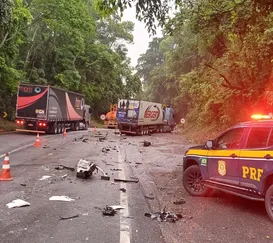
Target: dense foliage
column 64, row 43
column 214, row 63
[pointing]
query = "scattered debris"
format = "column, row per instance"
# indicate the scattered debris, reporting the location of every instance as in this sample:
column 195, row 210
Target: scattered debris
column 117, row 132
column 116, row 169
column 122, row 189
column 64, row 176
column 146, row 143
column 46, row 146
column 61, row 198
column 149, row 197
column 105, row 150
column 46, row 168
column 69, row 217
column 138, row 163
column 23, row 184
column 125, row 180
column 179, row 202
column 164, row 216
column 101, row 139
column 62, row 167
column 44, row 178
column 117, row 207
column 17, row 203
column 85, row 169
column 85, row 140
column 104, row 176
column 108, row 211
column 50, row 154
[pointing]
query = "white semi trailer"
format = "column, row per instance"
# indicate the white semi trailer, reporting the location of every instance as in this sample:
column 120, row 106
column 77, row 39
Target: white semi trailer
column 143, row 117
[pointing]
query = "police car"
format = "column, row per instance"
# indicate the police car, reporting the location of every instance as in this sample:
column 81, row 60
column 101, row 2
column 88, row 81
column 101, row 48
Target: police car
column 239, row 161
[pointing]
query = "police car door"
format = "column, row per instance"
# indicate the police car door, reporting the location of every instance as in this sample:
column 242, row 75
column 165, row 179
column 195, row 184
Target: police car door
column 223, row 159
column 256, row 158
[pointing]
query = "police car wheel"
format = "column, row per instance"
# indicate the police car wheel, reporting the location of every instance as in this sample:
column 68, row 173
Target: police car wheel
column 193, row 182
column 269, row 202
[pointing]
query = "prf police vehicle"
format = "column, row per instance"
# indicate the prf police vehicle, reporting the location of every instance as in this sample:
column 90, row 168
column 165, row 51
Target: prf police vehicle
column 239, row 161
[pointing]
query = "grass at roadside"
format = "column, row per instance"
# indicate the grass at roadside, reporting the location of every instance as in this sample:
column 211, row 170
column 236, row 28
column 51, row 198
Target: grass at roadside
column 97, row 123
column 7, row 126
column 199, row 135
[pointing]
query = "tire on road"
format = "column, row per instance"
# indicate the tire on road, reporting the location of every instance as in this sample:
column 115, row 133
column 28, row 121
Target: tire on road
column 193, row 182
column 269, row 202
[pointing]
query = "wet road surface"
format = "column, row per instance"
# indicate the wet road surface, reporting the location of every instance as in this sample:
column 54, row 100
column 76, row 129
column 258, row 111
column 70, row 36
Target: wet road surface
column 218, row 218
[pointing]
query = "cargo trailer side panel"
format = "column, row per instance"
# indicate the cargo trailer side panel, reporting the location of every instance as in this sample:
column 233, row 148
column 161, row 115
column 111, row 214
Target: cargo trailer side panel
column 65, row 106
column 150, row 113
column 32, row 101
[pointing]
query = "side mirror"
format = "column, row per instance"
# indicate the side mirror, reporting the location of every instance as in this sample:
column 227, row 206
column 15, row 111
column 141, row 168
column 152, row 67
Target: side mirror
column 209, row 144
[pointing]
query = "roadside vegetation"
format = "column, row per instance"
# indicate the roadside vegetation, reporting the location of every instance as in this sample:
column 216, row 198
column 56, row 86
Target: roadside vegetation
column 214, row 61
column 67, row 44
column 7, row 126
column 213, row 64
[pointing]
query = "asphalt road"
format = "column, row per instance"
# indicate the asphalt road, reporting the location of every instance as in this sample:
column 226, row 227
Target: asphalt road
column 218, row 218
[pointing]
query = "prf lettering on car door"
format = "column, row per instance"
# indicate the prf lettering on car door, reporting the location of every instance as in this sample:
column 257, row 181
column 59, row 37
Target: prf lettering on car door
column 252, row 173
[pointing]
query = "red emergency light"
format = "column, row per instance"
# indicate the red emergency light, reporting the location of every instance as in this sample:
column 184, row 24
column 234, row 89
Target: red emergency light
column 260, row 117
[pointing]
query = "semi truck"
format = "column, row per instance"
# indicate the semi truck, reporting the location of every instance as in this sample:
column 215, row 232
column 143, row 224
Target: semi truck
column 143, row 117
column 47, row 109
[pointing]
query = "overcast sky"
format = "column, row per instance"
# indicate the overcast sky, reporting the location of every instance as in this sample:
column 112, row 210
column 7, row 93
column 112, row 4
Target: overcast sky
column 141, row 36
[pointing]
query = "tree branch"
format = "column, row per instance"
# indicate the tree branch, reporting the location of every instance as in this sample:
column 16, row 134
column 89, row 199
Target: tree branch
column 4, row 40
column 228, row 83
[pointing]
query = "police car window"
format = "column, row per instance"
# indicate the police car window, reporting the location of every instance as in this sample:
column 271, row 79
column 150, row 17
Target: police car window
column 230, row 140
column 258, row 137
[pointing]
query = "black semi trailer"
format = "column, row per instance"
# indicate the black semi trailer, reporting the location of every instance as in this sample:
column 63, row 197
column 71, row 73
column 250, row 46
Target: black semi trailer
column 47, row 109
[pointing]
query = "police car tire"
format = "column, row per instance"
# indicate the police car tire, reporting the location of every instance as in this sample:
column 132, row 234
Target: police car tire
column 188, row 171
column 267, row 201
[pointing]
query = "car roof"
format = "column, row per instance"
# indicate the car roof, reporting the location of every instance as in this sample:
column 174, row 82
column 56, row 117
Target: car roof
column 255, row 123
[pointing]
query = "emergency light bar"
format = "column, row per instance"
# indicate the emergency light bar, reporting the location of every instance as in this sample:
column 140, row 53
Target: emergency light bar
column 260, row 116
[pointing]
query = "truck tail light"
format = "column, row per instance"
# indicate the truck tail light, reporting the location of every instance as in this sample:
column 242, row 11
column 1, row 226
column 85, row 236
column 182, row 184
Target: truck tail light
column 42, row 124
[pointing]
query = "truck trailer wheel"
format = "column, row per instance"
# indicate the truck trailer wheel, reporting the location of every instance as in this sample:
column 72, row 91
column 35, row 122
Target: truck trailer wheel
column 54, row 128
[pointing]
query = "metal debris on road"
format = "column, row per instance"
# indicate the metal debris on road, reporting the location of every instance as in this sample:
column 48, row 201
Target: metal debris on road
column 122, row 189
column 125, row 180
column 62, row 167
column 116, row 207
column 44, row 178
column 85, row 169
column 17, row 203
column 23, row 184
column 138, row 163
column 116, row 169
column 61, row 198
column 108, row 211
column 69, row 217
column 164, row 216
column 149, row 197
column 64, row 176
column 104, row 175
column 147, row 143
column 179, row 202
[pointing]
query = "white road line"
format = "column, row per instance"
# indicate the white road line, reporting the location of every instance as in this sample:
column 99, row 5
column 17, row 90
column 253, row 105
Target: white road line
column 16, row 150
column 124, row 213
